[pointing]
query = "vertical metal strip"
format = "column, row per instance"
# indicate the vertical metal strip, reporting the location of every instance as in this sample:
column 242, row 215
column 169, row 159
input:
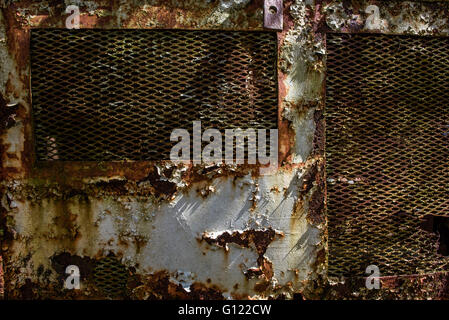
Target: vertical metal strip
column 273, row 14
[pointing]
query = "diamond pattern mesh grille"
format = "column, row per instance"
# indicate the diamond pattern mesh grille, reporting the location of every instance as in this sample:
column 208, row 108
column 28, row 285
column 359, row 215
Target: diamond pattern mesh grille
column 106, row 95
column 387, row 151
column 111, row 277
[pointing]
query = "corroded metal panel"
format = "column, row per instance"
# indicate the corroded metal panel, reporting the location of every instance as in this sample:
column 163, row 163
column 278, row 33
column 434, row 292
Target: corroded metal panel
column 387, row 152
column 118, row 94
column 179, row 231
column 188, row 231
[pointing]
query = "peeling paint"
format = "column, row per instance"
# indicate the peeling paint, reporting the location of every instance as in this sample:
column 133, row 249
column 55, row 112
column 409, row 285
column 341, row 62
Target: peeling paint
column 168, row 224
column 150, row 215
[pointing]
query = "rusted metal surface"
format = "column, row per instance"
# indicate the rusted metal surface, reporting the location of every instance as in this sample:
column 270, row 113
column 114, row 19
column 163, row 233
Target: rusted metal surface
column 2, row 280
column 118, row 94
column 418, row 287
column 151, row 216
column 387, row 152
column 260, row 239
column 388, row 17
column 401, row 18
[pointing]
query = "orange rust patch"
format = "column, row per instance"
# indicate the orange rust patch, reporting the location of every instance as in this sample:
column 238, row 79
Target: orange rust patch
column 37, row 20
column 286, row 133
column 316, row 206
column 167, row 17
column 261, row 239
column 159, row 287
column 7, row 120
column 17, row 38
column 261, row 286
column 88, row 21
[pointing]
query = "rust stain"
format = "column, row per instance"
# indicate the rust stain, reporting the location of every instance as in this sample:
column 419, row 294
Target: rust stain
column 7, row 120
column 158, row 286
column 18, row 32
column 6, row 237
column 161, row 186
column 315, row 213
column 286, row 133
column 2, row 281
column 309, row 179
column 17, row 38
column 137, row 178
column 167, row 17
column 261, row 239
column 90, row 21
column 7, row 115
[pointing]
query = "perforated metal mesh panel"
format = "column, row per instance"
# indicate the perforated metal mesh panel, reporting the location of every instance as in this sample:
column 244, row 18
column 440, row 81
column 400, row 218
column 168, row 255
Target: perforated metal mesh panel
column 118, row 94
column 387, row 151
column 111, row 277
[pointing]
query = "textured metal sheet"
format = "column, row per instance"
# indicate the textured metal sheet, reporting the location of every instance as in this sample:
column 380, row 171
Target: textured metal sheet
column 118, row 94
column 387, row 151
